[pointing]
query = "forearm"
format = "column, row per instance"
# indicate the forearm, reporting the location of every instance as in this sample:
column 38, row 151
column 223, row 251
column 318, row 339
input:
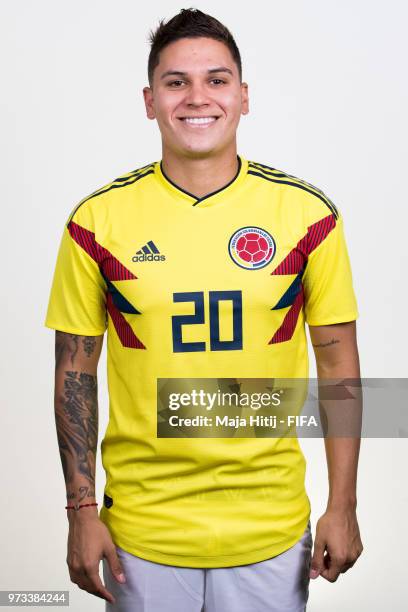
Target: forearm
column 342, row 452
column 342, row 460
column 76, row 415
column 76, row 419
column 337, row 359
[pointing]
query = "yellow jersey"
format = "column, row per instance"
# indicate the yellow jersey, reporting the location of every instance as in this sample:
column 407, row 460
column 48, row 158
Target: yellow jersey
column 219, row 286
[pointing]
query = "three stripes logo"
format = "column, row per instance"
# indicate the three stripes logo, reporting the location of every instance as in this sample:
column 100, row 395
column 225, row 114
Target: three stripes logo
column 148, row 252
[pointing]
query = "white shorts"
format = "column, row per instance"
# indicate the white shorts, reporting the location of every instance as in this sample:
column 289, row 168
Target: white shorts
column 279, row 584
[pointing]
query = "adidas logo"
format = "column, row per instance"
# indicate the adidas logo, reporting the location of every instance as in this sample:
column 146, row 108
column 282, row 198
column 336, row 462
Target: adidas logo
column 148, row 252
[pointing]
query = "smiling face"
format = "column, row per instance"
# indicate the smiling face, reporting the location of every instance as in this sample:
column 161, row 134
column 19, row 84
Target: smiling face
column 196, row 97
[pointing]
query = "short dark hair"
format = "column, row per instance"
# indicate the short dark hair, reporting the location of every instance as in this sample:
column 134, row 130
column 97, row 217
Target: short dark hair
column 189, row 23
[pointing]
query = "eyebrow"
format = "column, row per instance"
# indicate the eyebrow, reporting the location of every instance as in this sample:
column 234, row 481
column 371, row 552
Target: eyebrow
column 210, row 71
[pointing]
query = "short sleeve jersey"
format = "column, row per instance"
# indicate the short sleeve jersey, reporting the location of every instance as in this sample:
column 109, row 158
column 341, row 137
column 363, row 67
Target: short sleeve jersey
column 219, row 286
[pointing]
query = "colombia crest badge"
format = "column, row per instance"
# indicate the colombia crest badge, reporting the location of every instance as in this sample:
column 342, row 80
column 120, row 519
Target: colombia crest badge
column 251, row 247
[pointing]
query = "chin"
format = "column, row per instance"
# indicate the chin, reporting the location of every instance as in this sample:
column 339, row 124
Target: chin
column 198, row 153
column 200, row 149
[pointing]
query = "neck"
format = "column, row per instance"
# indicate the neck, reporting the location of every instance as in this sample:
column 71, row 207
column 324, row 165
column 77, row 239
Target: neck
column 200, row 176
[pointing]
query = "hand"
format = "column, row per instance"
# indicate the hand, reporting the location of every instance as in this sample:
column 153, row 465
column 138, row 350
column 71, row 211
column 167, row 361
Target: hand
column 88, row 542
column 338, row 534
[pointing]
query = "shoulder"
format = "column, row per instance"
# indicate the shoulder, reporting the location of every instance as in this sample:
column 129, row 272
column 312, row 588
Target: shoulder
column 88, row 206
column 296, row 189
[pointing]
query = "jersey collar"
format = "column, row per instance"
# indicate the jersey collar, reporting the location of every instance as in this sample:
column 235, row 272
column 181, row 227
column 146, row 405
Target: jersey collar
column 210, row 198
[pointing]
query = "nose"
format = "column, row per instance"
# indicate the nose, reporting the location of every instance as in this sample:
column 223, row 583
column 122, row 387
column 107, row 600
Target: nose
column 196, row 95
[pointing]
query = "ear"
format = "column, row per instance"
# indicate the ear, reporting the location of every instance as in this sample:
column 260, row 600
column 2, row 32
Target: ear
column 244, row 99
column 148, row 100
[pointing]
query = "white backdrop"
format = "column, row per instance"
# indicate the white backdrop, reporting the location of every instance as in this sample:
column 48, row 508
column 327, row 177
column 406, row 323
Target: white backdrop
column 328, row 99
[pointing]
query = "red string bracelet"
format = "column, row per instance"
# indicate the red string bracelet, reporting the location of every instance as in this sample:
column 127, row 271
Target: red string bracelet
column 77, row 507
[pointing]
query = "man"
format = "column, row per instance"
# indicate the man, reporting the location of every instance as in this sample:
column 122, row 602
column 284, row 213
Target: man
column 164, row 259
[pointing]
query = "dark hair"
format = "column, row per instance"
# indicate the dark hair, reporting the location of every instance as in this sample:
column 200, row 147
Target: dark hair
column 189, row 23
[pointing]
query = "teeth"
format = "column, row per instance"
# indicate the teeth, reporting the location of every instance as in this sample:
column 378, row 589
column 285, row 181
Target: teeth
column 198, row 120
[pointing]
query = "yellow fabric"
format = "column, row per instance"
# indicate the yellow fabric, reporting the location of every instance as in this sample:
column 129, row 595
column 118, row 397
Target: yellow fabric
column 194, row 502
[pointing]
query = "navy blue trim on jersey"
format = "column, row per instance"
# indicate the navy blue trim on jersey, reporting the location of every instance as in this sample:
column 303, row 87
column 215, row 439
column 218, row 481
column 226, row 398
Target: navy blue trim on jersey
column 119, row 299
column 323, row 198
column 198, row 200
column 174, row 184
column 128, row 180
column 290, row 294
column 279, row 174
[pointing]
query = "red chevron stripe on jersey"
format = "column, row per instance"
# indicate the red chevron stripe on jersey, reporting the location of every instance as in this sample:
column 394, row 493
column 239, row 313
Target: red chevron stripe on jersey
column 316, row 233
column 110, row 266
column 126, row 334
column 294, row 263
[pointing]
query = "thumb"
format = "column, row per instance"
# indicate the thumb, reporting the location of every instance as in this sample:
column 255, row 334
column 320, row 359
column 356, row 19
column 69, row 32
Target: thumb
column 115, row 565
column 317, row 562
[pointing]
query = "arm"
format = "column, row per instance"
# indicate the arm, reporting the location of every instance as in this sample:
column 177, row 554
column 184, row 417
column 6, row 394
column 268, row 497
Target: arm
column 76, row 418
column 337, row 531
column 76, row 414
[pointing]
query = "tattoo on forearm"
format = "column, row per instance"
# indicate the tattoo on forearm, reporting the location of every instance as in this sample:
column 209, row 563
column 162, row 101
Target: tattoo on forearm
column 82, row 493
column 323, row 344
column 86, row 492
column 65, row 342
column 77, row 430
column 59, row 347
column 89, row 343
column 74, row 341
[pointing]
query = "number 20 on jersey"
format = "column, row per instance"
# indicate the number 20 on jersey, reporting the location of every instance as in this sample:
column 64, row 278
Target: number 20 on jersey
column 198, row 317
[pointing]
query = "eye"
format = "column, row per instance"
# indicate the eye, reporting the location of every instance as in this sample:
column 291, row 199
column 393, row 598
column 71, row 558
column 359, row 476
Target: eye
column 175, row 83
column 217, row 81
